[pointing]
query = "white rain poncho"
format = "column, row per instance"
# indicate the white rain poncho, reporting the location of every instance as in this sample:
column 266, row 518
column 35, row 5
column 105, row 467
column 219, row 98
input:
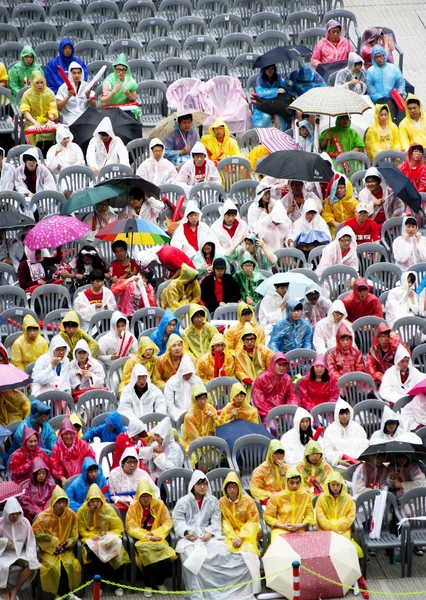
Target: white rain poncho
column 187, row 175
column 151, row 401
column 111, row 343
column 413, row 415
column 294, row 449
column 203, row 232
column 120, row 482
column 68, row 156
column 77, row 104
column 255, row 212
column 172, row 456
column 7, row 175
column 97, row 155
column 209, row 564
column 388, row 415
column 302, row 225
column 45, row 180
column 270, row 311
column 332, row 254
column 338, row 440
column 177, row 391
column 399, row 304
column 47, row 378
column 158, row 172
column 220, row 230
column 392, row 205
column 326, row 329
column 315, row 312
column 408, row 250
column 275, row 228
column 87, row 309
column 97, row 373
column 392, row 388
column 289, row 202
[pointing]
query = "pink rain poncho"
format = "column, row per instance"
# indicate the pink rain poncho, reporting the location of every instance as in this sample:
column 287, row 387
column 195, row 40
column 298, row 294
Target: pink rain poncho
column 35, row 496
column 413, row 415
column 67, row 462
column 326, row 52
column 275, row 228
column 332, row 254
column 21, row 461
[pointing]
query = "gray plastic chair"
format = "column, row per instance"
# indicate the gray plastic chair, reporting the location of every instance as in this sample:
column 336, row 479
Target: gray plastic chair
column 356, row 386
column 211, row 212
column 229, row 312
column 263, row 21
column 152, row 419
column 235, row 44
column 289, row 259
column 47, row 203
column 370, row 254
column 311, row 36
column 107, row 456
column 300, row 361
column 323, row 414
column 280, row 419
column 248, row 141
column 78, row 31
column 77, row 177
column 46, row 51
column 270, row 39
column 420, row 270
column 246, row 8
column 62, row 13
column 99, row 11
column 110, row 172
column 219, row 389
column 384, row 277
column 355, row 161
column 14, row 317
column 8, row 275
column 142, row 70
column 151, row 96
column 249, row 452
column 25, row 14
column 115, row 374
column 162, row 48
column 100, row 323
column 159, row 291
column 400, row 403
column 188, row 27
column 414, row 503
column 208, row 9
column 11, row 339
column 14, row 154
column 145, row 318
column 221, row 25
column 308, row 273
column 173, row 485
column 244, row 210
column 112, row 30
column 12, row 297
column 197, row 46
column 148, row 29
column 138, row 152
column 171, row 69
column 55, row 422
column 368, row 413
column 135, row 11
column 314, row 256
column 51, row 323
column 411, row 330
column 212, row 66
column 357, row 180
column 364, row 330
column 209, row 453
column 242, row 191
column 299, row 21
column 338, row 279
column 95, row 402
column 89, row 51
column 12, row 201
column 207, row 193
column 172, row 10
column 10, row 53
column 216, row 479
column 60, row 403
column 396, row 157
column 418, row 357
column 9, row 33
column 391, row 229
column 49, row 297
column 131, row 48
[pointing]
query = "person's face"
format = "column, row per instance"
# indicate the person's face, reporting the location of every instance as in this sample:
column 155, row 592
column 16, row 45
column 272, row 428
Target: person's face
column 362, row 216
column 207, row 249
column 120, row 327
column 345, row 342
column 219, row 132
column 296, row 314
column 304, row 423
column 185, row 125
column 103, row 207
column 199, row 159
column 410, row 229
column 362, row 293
column 65, row 142
column 356, row 68
column 2, row 360
column 341, row 191
column 378, row 460
column 39, row 85
column 104, row 136
column 148, row 353
column 157, row 152
column 337, row 316
column 304, row 132
column 32, row 443
column 293, row 484
column 135, row 203
column 380, row 59
column 238, row 400
column 97, row 285
column 87, row 259
column 130, row 466
column 219, row 272
column 171, row 327
column 31, row 164
column 403, row 363
column 201, row 487
column 372, row 184
column 201, row 401
column 345, row 242
column 335, row 487
column 76, row 75
column 82, row 356
column 270, row 71
column 344, row 418
column 401, row 460
column 266, row 196
column 282, row 289
column 120, row 253
column 60, row 506
column 334, row 34
column 68, row 438
column 158, row 439
column 193, row 219
column 319, row 370
column 249, row 246
column 60, row 352
column 249, row 341
column 280, row 367
column 417, row 154
column 95, row 504
column 229, row 217
column 220, row 347
column 41, row 475
column 345, row 121
column 414, row 110
column 232, row 491
column 13, row 517
column 92, row 473
column 145, row 500
column 67, row 51
column 278, row 457
column 297, row 187
column 176, row 350
column 246, row 317
column 28, row 59
column 198, row 319
column 391, row 427
column 310, row 215
column 384, row 340
column 141, row 381
column 383, row 116
column 187, row 376
column 32, row 333
column 315, row 457
column 120, row 71
column 248, row 268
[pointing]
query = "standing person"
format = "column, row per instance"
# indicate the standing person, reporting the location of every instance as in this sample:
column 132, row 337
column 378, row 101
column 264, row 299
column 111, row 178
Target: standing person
column 410, row 247
column 219, row 288
column 295, row 440
column 333, row 47
column 64, row 59
column 106, row 148
column 269, row 477
column 179, row 142
column 382, row 351
column 380, row 199
column 31, row 176
column 157, row 169
column 37, row 491
column 344, row 358
column 20, row 73
column 269, row 84
column 293, row 332
column 65, row 153
column 344, row 438
column 140, row 397
column 383, row 134
column 72, row 103
column 317, row 386
column 361, row 302
column 352, row 77
column 412, row 129
column 38, row 106
column 414, row 168
column 29, row 346
column 340, row 204
column 119, row 87
column 95, row 299
column 69, row 453
column 365, row 229
column 219, row 143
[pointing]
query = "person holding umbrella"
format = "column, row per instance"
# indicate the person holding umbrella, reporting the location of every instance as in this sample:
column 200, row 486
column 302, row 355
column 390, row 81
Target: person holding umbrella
column 370, row 474
column 404, row 474
column 105, row 148
column 32, row 270
column 379, row 198
column 341, row 138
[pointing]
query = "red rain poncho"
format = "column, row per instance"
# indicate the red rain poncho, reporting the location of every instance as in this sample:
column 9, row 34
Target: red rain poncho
column 356, row 308
column 311, row 392
column 378, row 361
column 340, row 362
column 35, row 497
column 416, row 172
column 21, row 461
column 67, row 462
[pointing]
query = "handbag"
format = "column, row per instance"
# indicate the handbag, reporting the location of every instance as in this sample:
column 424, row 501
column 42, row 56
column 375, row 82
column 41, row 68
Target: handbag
column 275, row 106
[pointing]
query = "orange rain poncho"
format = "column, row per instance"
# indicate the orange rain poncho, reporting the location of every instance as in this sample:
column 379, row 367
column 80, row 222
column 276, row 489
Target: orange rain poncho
column 145, row 343
column 206, row 364
column 320, row 471
column 233, row 334
column 197, row 341
column 239, row 519
column 267, row 478
column 197, row 423
column 249, row 368
column 164, row 367
column 246, row 411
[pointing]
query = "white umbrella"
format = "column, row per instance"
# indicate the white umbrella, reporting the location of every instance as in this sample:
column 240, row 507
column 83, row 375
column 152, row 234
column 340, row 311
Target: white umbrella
column 330, row 101
column 298, row 283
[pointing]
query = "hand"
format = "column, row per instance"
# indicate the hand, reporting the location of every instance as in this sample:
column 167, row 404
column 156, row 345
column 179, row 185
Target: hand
column 38, row 126
column 329, row 136
column 233, row 412
column 291, row 209
column 260, row 243
column 281, row 91
column 79, row 276
column 237, row 542
column 209, row 413
column 185, row 150
column 50, row 126
column 249, row 301
column 117, row 87
column 41, row 281
column 189, row 298
column 410, row 294
column 418, row 235
column 55, row 362
column 290, row 244
column 378, row 202
column 98, row 305
column 221, row 303
column 95, row 172
column 126, row 92
column 192, row 537
column 154, row 538
column 115, row 356
column 207, row 536
column 10, row 545
column 58, row 149
column 344, row 463
column 353, row 81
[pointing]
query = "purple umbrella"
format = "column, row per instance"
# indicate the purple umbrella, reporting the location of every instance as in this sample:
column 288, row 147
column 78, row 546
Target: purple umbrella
column 12, row 378
column 55, row 231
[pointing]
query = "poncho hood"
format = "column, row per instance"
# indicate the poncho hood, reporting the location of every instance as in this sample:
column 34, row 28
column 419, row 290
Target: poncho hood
column 38, row 409
column 66, row 427
column 82, row 345
column 312, row 447
column 39, row 464
column 26, row 50
column 390, row 415
column 378, row 49
column 220, row 123
column 260, row 190
column 187, row 274
column 139, row 371
column 342, row 405
column 407, row 100
column 337, row 306
column 335, row 182
column 354, row 58
column 12, row 506
column 114, row 420
column 164, row 429
column 236, row 389
column 342, row 331
column 115, row 317
column 186, row 366
column 300, row 414
column 28, row 432
column 129, row 451
column 89, row 462
column 244, row 306
column 146, row 343
column 58, row 342
column 29, row 321
column 360, row 282
column 199, row 148
column 377, row 110
column 58, row 494
column 402, row 352
column 232, row 477
column 70, row 317
column 94, row 493
column 373, row 172
column 63, row 132
column 121, row 60
column 331, row 24
column 196, row 308
column 145, row 488
column 196, row 476
column 104, row 126
column 335, row 477
column 291, row 307
column 197, row 390
column 291, row 473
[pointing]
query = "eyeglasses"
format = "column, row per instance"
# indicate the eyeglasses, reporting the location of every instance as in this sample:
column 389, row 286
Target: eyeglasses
column 249, row 339
column 120, row 70
column 204, row 483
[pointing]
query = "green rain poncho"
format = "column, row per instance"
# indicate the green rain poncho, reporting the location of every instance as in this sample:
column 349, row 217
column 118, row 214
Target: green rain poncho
column 348, row 138
column 20, row 74
column 128, row 83
column 247, row 284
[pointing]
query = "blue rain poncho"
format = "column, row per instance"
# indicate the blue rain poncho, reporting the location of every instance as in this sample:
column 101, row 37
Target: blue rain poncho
column 48, row 435
column 158, row 336
column 302, row 80
column 53, row 79
column 103, row 432
column 290, row 335
column 382, row 80
column 268, row 90
column 77, row 490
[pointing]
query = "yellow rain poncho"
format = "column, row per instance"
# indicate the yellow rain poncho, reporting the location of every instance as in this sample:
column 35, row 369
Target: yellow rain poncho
column 336, row 513
column 378, row 139
column 289, row 507
column 267, row 478
column 72, row 317
column 258, row 152
column 40, row 105
column 320, row 472
column 14, row 406
column 198, row 423
column 250, row 367
column 409, row 130
column 206, row 364
column 183, row 290
column 341, row 210
column 234, row 333
column 246, row 411
column 164, row 367
column 196, row 342
column 149, row 552
column 50, row 531
column 145, row 343
column 25, row 351
column 97, row 523
column 216, row 150
column 239, row 519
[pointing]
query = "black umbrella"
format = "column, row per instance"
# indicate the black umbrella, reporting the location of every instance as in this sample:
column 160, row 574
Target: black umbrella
column 401, row 186
column 297, row 165
column 395, row 448
column 124, row 126
column 281, row 54
column 14, row 220
column 126, row 184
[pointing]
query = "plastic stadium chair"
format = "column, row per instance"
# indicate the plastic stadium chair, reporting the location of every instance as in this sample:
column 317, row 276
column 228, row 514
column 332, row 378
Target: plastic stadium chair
column 368, row 413
column 100, row 323
column 396, row 157
column 246, row 8
column 25, row 14
column 109, row 172
column 60, row 403
column 289, row 259
column 219, row 389
column 89, row 51
column 207, row 193
column 400, row 403
column 78, row 31
column 47, row 203
column 172, row 10
column 209, row 9
column 244, row 210
column 280, row 419
column 311, row 36
column 391, row 229
column 384, row 276
column 357, row 180
column 12, row 297
column 338, row 279
column 308, row 273
column 52, row 322
column 131, row 48
column 145, row 318
column 209, row 453
column 197, row 46
column 356, row 386
column 323, row 414
column 162, row 48
column 354, row 160
column 249, row 452
column 299, row 21
column 221, row 25
column 142, row 70
column 370, row 254
column 171, row 69
column 135, row 11
column 418, row 358
column 9, row 33
column 95, row 402
column 62, row 13
column 151, row 96
column 216, row 479
column 10, row 52
column 411, row 330
column 212, row 66
column 364, row 330
column 173, row 485
column 299, row 361
column 8, row 275
column 76, row 178
column 314, row 256
column 228, row 312
column 148, row 29
column 210, row 213
column 234, row 169
column 99, row 11
column 188, row 27
column 270, row 39
column 242, row 191
column 263, row 21
column 235, row 44
column 112, row 30
column 49, row 297
column 115, row 374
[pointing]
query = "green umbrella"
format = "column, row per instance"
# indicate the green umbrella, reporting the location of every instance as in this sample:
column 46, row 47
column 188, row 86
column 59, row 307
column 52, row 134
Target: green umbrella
column 91, row 196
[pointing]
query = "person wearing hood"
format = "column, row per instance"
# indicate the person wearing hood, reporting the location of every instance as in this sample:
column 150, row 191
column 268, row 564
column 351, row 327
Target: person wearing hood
column 414, row 167
column 135, row 436
column 344, row 358
column 306, row 135
column 245, row 314
column 185, row 289
column 382, row 351
column 380, row 199
column 91, row 473
column 253, row 244
column 86, row 373
column 217, row 362
column 100, row 216
column 204, row 258
column 191, row 231
column 404, row 474
column 20, row 73
column 126, row 477
column 38, row 106
column 291, row 510
column 413, row 414
column 317, row 386
column 51, row 370
column 31, row 176
column 295, row 439
column 348, row 139
column 169, row 324
column 412, row 128
column 219, row 288
column 390, row 427
column 17, row 547
column 275, row 228
column 201, row 419
column 106, row 148
column 38, row 421
column 146, row 356
column 316, row 305
column 179, row 142
column 344, row 437
column 238, row 407
column 248, row 278
column 21, row 460
column 37, row 491
column 372, row 37
column 108, row 431
column 72, row 103
column 198, row 170
column 310, row 229
column 140, row 397
column 171, row 259
column 293, row 332
column 341, row 251
column 361, row 302
column 168, row 364
column 148, row 521
column 269, row 477
column 64, row 59
column 340, row 204
column 272, row 307
column 262, row 205
column 178, row 389
column 382, row 134
column 274, row 387
column 252, row 358
column 56, row 534
column 71, row 332
column 135, row 292
column 7, row 179
column 65, row 153
column 157, row 169
column 29, row 346
column 269, row 84
column 295, row 199
column 69, row 452
column 119, row 87
column 303, row 79
column 94, row 299
column 365, row 229
column 352, row 77
column 398, row 380
column 219, row 143
column 314, row 469
column 409, row 248
column 333, row 47
column 198, row 335
column 229, row 227
column 118, row 342
column 197, row 523
column 33, row 266
column 370, row 475
column 383, row 77
column 165, row 453
column 142, row 206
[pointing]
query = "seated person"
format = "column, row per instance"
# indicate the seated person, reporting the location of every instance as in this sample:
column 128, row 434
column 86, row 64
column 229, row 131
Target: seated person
column 344, row 357
column 344, row 438
column 219, row 288
column 275, row 228
column 370, row 475
column 410, row 247
column 198, row 335
column 109, row 431
column 398, row 380
column 365, row 229
column 203, row 259
column 274, row 387
column 118, row 342
column 72, row 103
column 191, row 232
column 142, row 206
column 261, row 206
column 64, row 59
column 165, row 453
column 135, row 292
column 71, row 332
column 178, row 389
column 38, row 418
column 21, row 461
column 306, row 134
column 148, row 522
column 341, row 138
column 390, row 427
column 383, row 134
column 86, row 372
column 309, row 230
column 29, row 346
column 383, row 77
column 33, row 268
column 51, row 371
column 169, row 324
column 339, row 206
column 333, row 47
column 7, row 183
column 317, row 386
column 234, row 332
column 380, row 198
column 293, row 332
column 101, row 216
column 122, row 267
column 404, row 474
column 91, row 473
column 414, row 168
column 136, row 432
column 95, row 299
column 412, row 129
column 146, row 356
column 294, row 440
column 413, row 415
column 217, row 362
column 219, row 143
column 352, row 77
column 157, row 169
column 269, row 477
column 140, row 397
column 229, row 227
column 202, row 419
column 251, row 243
column 185, row 289
column 238, row 407
column 294, row 200
column 180, row 141
column 69, row 452
column 171, row 259
column 251, row 358
column 291, row 510
column 126, row 477
column 38, row 106
column 341, row 251
column 119, row 87
column 56, row 534
column 382, row 352
column 405, row 300
column 248, row 278
column 31, row 176
column 106, row 148
column 372, row 37
column 361, row 302
column 314, row 469
column 303, row 79
column 65, row 153
column 169, row 363
column 269, row 85
column 20, row 73
column 37, row 491
column 272, row 308
column 326, row 329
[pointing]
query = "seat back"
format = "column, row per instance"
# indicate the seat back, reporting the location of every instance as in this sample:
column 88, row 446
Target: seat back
column 138, row 152
column 338, row 279
column 208, row 453
column 47, row 203
column 229, row 312
column 115, row 374
column 216, row 479
column 76, row 178
column 234, row 169
column 78, row 31
column 95, row 402
column 370, row 254
column 323, row 414
column 208, row 9
column 186, row 28
column 14, row 318
column 235, row 44
column 50, row 297
column 223, row 24
column 173, row 485
column 384, row 277
column 289, row 259
column 148, row 29
column 355, row 387
column 212, row 66
column 152, row 419
column 396, row 157
column 159, row 49
column 60, row 403
column 280, row 419
column 172, row 10
column 249, row 452
column 8, row 275
column 12, row 297
column 51, row 323
column 411, row 330
column 219, row 389
column 113, row 29
column 100, row 323
column 207, row 193
column 136, row 10
column 365, row 506
column 365, row 329
column 270, row 39
column 242, row 191
column 99, row 11
column 418, row 357
column 351, row 162
column 391, row 229
column 145, row 318
column 265, row 20
column 357, row 180
column 106, row 458
column 314, row 257
column 299, row 21
column 12, row 201
column 300, row 361
column 369, row 414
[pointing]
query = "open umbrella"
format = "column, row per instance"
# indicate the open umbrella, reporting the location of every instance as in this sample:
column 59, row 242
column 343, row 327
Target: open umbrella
column 281, row 54
column 331, row 101
column 126, row 184
column 167, row 125
column 296, row 164
column 11, row 378
column 55, row 231
column 298, row 283
column 12, row 220
column 91, row 196
column 134, row 232
column 275, row 140
column 408, row 444
column 230, row 432
column 324, row 552
column 401, row 186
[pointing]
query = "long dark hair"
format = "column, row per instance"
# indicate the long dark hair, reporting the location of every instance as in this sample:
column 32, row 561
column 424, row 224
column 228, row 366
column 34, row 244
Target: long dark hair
column 213, row 245
column 324, row 377
column 97, row 262
column 274, row 76
column 307, row 435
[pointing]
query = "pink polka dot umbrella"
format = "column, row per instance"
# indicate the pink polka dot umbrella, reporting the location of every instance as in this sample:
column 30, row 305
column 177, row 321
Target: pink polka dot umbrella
column 55, row 231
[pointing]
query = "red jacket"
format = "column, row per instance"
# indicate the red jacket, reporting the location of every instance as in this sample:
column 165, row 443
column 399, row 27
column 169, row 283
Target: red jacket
column 379, row 362
column 416, row 175
column 370, row 232
column 356, row 308
column 311, row 393
column 342, row 362
column 67, row 462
